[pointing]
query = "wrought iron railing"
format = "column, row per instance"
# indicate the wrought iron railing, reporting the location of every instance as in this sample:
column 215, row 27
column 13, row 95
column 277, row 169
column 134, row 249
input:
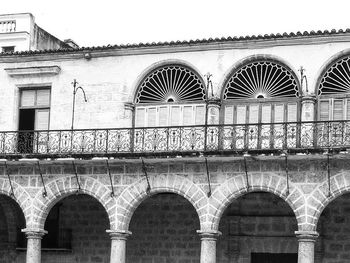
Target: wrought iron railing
column 294, row 136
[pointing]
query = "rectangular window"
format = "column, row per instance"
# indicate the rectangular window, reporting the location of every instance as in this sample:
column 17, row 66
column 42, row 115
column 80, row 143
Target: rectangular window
column 8, row 49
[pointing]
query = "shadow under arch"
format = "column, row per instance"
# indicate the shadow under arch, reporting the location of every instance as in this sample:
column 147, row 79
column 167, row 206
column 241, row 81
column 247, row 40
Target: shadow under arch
column 258, row 57
column 236, row 187
column 66, row 186
column 326, row 65
column 136, row 193
column 159, row 64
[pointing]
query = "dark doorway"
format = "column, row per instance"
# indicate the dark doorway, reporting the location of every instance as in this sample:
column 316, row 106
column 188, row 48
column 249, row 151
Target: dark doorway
column 25, row 130
column 274, row 258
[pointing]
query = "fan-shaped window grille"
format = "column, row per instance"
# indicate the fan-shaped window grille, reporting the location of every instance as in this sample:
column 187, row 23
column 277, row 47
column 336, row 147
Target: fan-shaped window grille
column 261, row 79
column 171, row 84
column 336, row 79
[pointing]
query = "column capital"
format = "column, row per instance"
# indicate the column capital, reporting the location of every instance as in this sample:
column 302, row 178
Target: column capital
column 216, row 102
column 34, row 233
column 308, row 98
column 119, row 234
column 306, row 236
column 129, row 106
column 209, row 234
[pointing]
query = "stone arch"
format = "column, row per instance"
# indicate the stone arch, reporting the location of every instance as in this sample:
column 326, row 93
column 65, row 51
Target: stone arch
column 159, row 64
column 132, row 196
column 253, row 58
column 66, row 186
column 236, row 186
column 20, row 197
column 326, row 65
column 320, row 198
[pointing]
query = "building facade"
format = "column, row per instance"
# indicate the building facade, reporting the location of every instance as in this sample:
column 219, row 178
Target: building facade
column 19, row 32
column 219, row 150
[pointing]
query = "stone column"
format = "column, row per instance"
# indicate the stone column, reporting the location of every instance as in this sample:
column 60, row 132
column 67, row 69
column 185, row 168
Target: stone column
column 308, row 108
column 34, row 237
column 213, row 111
column 118, row 245
column 208, row 245
column 306, row 251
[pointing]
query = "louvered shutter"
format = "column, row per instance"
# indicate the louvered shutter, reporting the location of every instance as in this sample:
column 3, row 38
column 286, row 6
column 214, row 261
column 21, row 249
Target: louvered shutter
column 279, row 113
column 151, row 117
column 338, row 110
column 241, row 114
column 266, row 114
column 187, row 115
column 28, row 98
column 324, row 110
column 200, row 115
column 163, row 116
column 253, row 113
column 140, row 117
column 292, row 112
column 42, row 119
column 175, row 114
column 348, row 109
column 229, row 115
column 43, row 97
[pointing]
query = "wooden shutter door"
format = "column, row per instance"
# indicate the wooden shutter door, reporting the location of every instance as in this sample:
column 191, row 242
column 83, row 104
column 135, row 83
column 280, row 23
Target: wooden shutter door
column 140, row 117
column 200, row 115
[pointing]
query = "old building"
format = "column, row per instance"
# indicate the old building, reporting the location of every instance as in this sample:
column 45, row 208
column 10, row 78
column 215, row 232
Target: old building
column 218, row 150
column 19, row 32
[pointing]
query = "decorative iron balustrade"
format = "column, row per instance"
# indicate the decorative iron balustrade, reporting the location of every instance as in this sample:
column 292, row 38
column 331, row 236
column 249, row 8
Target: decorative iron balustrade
column 296, row 136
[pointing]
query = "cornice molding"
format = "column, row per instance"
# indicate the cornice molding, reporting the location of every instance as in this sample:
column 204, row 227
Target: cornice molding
column 33, row 71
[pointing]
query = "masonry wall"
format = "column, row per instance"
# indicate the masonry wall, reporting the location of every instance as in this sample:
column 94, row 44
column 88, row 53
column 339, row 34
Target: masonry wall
column 164, row 230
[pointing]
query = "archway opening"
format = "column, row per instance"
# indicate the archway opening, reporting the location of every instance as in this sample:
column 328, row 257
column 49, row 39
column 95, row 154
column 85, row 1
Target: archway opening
column 76, row 228
column 333, row 243
column 258, row 227
column 164, row 230
column 12, row 241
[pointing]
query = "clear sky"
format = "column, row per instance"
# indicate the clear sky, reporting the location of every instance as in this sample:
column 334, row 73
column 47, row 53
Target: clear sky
column 103, row 22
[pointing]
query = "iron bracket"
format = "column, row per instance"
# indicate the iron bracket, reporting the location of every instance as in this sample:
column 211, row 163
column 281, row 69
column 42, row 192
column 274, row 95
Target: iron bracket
column 9, row 178
column 246, row 172
column 76, row 176
column 208, row 177
column 287, row 174
column 110, row 178
column 42, row 180
column 148, row 190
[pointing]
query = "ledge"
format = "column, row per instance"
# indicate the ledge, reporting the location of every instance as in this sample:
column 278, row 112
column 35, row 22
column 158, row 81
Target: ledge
column 34, row 71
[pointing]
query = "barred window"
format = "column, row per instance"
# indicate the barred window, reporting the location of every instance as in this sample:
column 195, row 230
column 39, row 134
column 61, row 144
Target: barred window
column 170, row 96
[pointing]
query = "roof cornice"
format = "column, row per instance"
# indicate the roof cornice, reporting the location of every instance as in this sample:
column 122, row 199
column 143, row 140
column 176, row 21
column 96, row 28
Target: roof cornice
column 253, row 42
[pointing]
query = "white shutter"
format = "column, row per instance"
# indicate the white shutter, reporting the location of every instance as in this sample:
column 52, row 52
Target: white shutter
column 348, row 109
column 151, row 117
column 338, row 110
column 266, row 114
column 43, row 97
column 292, row 112
column 163, row 116
column 324, row 110
column 279, row 113
column 42, row 119
column 28, row 98
column 253, row 113
column 229, row 115
column 200, row 115
column 241, row 114
column 187, row 118
column 175, row 114
column 140, row 117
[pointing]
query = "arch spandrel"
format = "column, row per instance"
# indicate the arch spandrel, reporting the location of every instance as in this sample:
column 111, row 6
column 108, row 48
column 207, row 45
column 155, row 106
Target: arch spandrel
column 67, row 186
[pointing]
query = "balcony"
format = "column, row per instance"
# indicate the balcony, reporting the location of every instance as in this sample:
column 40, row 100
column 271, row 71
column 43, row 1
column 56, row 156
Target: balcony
column 174, row 141
column 7, row 26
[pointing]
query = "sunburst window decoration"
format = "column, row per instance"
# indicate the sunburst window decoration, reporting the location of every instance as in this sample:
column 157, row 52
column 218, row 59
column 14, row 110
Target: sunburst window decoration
column 261, row 79
column 171, row 84
column 336, row 79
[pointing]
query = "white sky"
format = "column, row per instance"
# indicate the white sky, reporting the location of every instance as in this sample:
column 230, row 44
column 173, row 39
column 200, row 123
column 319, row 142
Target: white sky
column 102, row 22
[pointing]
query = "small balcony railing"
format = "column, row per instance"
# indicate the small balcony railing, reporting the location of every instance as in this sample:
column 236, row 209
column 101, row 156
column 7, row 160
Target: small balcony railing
column 7, row 26
column 272, row 137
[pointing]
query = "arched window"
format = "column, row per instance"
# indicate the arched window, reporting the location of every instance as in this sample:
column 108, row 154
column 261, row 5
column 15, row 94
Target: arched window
column 171, row 95
column 334, row 91
column 261, row 92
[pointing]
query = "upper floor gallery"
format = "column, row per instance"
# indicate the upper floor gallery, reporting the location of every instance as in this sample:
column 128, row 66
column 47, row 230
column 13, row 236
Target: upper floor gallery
column 266, row 93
